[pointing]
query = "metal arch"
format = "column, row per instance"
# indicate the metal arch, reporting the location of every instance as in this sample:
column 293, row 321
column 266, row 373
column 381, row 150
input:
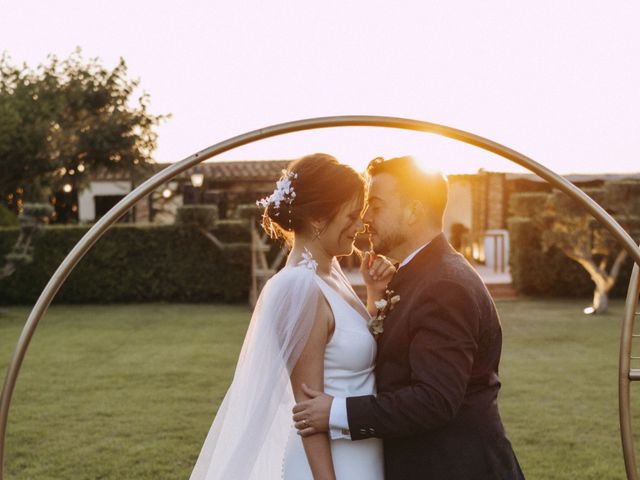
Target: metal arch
column 628, row 374
column 100, row 227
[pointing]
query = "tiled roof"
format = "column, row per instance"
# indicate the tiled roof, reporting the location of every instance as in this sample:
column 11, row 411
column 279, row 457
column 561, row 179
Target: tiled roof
column 253, row 170
column 269, row 170
column 256, row 170
column 104, row 175
column 579, row 177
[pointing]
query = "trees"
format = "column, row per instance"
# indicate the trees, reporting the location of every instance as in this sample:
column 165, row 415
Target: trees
column 567, row 226
column 65, row 119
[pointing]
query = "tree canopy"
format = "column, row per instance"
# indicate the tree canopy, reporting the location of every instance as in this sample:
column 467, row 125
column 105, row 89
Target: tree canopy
column 65, row 119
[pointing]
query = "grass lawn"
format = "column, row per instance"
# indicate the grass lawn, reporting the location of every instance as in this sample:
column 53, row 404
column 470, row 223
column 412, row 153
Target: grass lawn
column 129, row 391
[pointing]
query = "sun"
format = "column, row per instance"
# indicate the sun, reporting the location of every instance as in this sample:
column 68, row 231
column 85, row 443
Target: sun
column 428, row 167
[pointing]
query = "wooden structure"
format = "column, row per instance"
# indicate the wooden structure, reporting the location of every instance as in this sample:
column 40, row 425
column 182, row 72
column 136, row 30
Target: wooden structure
column 261, row 269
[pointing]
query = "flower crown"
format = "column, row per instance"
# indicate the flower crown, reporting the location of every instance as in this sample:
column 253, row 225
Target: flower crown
column 284, row 192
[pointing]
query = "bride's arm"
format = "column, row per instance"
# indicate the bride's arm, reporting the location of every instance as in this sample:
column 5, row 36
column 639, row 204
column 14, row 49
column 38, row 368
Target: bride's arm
column 310, row 370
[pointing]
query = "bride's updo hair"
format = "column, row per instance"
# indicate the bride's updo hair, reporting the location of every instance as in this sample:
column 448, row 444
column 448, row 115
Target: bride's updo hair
column 321, row 186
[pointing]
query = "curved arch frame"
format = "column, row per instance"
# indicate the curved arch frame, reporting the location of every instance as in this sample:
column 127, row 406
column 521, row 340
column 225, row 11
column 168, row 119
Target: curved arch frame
column 100, row 227
column 627, row 374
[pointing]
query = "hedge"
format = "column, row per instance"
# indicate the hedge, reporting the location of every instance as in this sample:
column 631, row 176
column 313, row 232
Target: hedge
column 538, row 273
column 135, row 264
column 7, row 217
column 527, row 204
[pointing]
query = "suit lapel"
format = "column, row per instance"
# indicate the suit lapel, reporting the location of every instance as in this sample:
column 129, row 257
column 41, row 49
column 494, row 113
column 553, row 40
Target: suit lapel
column 409, row 275
column 415, row 268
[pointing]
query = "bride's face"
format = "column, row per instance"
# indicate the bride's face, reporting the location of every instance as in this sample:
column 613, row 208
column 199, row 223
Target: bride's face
column 339, row 233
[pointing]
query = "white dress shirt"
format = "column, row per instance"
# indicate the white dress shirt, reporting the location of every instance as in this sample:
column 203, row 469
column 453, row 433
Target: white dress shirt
column 338, row 420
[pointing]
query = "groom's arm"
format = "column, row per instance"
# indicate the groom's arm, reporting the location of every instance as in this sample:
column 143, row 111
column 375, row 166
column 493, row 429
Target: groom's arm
column 443, row 342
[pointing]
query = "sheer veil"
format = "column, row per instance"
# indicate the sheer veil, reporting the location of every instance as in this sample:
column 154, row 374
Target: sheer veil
column 249, row 434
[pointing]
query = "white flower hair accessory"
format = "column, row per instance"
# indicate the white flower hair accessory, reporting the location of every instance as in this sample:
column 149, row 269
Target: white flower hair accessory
column 283, row 193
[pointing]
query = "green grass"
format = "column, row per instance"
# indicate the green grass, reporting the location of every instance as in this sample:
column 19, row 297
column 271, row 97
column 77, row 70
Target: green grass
column 118, row 392
column 559, row 399
column 129, row 391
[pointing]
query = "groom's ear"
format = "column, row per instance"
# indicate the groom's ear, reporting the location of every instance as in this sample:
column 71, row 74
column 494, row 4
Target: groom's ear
column 415, row 212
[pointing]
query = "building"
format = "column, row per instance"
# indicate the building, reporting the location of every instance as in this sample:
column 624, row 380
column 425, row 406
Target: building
column 475, row 220
column 477, row 205
column 225, row 184
column 229, row 184
column 102, row 192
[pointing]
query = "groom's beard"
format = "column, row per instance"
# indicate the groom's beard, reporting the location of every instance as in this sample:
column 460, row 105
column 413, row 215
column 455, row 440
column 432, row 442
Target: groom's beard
column 386, row 244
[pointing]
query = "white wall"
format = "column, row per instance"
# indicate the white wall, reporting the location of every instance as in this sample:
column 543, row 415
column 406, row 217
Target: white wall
column 459, row 208
column 86, row 204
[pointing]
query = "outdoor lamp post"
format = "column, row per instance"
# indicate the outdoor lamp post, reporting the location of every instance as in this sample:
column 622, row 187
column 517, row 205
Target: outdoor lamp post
column 197, row 180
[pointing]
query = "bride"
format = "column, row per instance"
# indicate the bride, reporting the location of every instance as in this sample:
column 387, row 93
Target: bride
column 308, row 327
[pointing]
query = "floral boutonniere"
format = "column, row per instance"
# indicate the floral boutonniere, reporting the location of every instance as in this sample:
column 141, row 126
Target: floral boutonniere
column 384, row 306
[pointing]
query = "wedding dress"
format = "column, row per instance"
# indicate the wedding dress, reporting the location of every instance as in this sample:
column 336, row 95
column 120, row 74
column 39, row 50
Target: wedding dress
column 252, row 436
column 349, row 361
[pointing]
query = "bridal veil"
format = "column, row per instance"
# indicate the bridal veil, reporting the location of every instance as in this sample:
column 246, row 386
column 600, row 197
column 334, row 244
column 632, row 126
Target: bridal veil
column 249, row 434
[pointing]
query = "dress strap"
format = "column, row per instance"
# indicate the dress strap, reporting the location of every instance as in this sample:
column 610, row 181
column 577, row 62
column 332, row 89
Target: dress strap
column 327, row 291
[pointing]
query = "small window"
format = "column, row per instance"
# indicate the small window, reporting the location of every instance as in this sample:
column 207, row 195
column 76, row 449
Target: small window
column 104, row 203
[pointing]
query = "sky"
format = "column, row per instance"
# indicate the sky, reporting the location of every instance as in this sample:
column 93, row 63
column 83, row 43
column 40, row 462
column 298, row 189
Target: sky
column 558, row 81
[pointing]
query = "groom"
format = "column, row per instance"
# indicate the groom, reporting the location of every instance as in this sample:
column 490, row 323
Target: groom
column 437, row 365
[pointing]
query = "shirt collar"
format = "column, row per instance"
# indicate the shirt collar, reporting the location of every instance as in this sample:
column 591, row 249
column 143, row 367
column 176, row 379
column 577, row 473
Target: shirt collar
column 413, row 254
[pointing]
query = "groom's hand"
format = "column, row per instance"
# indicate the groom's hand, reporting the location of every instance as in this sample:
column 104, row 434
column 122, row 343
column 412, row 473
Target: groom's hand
column 312, row 416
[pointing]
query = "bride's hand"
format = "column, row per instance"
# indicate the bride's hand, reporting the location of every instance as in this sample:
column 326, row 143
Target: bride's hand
column 376, row 271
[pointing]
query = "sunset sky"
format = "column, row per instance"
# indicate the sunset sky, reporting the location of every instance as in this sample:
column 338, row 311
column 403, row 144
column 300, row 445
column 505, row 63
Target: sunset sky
column 556, row 80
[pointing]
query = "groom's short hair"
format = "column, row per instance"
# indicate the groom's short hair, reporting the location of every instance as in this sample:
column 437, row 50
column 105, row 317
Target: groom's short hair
column 429, row 187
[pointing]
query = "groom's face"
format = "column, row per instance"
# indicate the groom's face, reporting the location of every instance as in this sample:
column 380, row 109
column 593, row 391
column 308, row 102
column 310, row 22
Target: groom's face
column 385, row 214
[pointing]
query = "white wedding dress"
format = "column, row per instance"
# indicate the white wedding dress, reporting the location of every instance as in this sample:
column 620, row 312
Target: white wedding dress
column 349, row 361
column 252, row 436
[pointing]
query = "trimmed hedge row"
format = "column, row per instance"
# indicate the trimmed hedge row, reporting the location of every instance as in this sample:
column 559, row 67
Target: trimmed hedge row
column 552, row 273
column 135, row 264
column 178, row 264
column 7, row 217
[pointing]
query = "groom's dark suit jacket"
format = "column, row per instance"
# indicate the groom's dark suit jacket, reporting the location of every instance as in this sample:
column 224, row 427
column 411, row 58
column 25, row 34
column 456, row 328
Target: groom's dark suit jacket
column 437, row 376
